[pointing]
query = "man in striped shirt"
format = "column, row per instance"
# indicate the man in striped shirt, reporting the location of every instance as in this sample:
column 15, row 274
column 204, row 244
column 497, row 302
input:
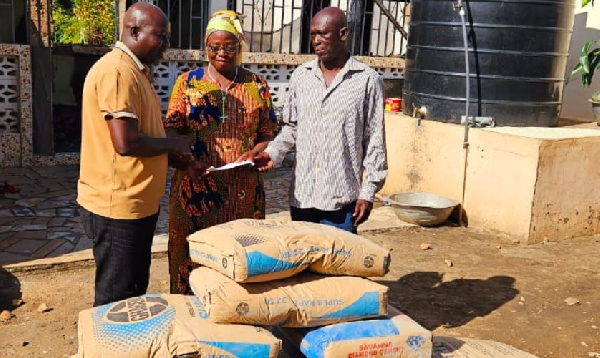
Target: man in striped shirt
column 334, row 118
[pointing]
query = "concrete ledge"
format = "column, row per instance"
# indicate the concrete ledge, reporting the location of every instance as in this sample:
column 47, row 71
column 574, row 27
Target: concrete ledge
column 267, row 58
column 381, row 219
column 530, row 183
column 80, row 259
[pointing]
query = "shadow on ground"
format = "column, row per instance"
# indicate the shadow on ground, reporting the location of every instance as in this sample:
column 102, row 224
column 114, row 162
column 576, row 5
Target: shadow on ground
column 10, row 289
column 434, row 303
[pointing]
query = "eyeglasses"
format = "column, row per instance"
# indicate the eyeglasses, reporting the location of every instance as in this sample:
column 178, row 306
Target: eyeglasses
column 230, row 49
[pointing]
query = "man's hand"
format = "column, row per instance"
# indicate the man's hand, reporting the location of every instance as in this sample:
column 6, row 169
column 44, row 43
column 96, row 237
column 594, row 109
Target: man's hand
column 262, row 162
column 181, row 144
column 196, row 171
column 361, row 211
column 248, row 156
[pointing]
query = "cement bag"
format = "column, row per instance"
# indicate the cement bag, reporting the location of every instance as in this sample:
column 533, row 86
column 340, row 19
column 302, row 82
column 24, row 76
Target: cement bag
column 165, row 326
column 305, row 300
column 394, row 336
column 264, row 250
column 449, row 347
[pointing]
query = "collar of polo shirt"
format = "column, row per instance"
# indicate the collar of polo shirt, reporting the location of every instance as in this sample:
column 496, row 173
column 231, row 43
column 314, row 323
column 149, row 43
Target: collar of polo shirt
column 121, row 46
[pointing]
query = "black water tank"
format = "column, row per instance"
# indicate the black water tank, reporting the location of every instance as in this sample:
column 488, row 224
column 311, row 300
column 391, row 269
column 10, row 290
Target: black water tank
column 518, row 56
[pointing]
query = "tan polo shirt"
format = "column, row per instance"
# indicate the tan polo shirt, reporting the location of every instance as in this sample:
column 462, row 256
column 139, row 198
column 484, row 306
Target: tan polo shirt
column 111, row 185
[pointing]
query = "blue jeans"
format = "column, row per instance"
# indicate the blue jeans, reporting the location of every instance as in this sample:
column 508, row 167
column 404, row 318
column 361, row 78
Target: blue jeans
column 341, row 218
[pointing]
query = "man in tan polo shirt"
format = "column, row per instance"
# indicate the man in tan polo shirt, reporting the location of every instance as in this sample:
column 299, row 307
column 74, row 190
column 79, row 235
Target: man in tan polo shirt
column 124, row 153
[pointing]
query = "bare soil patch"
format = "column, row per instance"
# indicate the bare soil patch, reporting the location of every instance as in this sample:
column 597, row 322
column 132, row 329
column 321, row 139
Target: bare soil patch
column 494, row 289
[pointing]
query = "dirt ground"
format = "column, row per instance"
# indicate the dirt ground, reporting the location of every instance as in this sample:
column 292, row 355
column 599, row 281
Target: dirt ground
column 495, row 289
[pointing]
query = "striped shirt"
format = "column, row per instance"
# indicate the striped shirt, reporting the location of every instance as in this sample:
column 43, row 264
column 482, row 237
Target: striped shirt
column 338, row 132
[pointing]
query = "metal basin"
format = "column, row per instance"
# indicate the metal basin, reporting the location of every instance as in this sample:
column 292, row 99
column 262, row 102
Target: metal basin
column 424, row 209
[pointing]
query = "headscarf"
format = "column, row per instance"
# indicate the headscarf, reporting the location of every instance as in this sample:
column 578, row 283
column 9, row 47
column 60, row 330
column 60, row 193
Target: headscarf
column 230, row 21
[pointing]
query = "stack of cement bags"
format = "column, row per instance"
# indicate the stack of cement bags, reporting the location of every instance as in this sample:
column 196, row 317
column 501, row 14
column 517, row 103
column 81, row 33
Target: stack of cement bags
column 302, row 281
column 306, row 282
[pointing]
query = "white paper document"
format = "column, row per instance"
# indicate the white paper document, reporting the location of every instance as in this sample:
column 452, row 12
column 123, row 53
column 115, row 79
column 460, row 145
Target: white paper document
column 230, row 166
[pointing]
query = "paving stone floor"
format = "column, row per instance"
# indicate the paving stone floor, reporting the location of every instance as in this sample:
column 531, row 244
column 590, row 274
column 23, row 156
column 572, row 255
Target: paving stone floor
column 43, row 221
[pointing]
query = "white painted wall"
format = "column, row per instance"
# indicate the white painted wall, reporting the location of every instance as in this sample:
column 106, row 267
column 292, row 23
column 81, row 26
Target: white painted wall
column 394, row 38
column 216, row 5
column 268, row 15
column 575, row 97
column 271, row 15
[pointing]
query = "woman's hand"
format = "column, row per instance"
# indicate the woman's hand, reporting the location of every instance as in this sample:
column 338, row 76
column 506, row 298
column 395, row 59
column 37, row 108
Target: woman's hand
column 196, row 171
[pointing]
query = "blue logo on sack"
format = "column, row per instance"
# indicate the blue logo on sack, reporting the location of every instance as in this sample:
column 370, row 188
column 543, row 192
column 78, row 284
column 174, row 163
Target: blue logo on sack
column 317, row 340
column 242, row 350
column 415, row 342
column 133, row 323
column 366, row 306
column 261, row 264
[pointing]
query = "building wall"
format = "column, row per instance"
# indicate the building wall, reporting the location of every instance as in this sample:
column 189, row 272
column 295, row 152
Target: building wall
column 275, row 68
column 530, row 183
column 500, row 182
column 567, row 201
column 16, row 146
column 500, row 170
column 586, row 28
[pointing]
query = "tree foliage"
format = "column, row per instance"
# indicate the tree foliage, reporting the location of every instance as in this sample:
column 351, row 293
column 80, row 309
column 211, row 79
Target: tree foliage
column 89, row 22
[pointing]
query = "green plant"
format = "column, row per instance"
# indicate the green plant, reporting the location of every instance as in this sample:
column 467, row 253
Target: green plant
column 589, row 60
column 89, row 22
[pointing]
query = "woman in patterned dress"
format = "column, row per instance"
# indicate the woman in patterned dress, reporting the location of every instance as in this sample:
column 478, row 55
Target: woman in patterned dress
column 228, row 112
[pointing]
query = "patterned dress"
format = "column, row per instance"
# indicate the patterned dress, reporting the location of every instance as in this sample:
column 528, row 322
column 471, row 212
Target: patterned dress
column 195, row 110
